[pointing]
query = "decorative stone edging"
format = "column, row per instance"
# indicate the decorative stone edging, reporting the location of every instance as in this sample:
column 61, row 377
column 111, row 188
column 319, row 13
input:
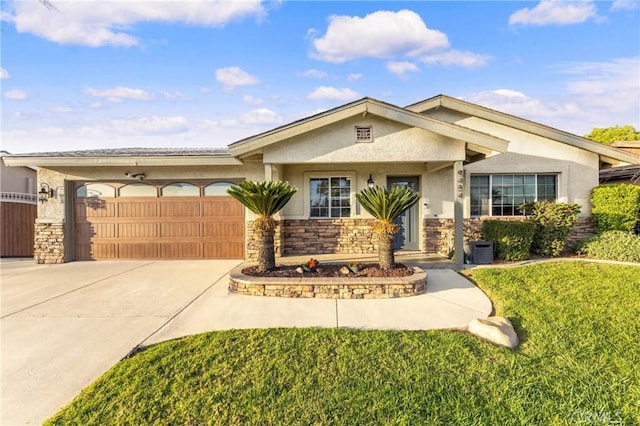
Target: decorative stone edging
column 329, row 288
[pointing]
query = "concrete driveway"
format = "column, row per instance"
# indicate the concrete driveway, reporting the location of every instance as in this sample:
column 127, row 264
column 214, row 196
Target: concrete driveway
column 62, row 326
column 65, row 325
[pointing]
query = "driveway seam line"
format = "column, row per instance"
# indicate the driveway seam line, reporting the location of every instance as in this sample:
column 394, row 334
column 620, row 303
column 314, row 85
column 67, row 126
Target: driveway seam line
column 140, row 345
column 337, row 317
column 71, row 291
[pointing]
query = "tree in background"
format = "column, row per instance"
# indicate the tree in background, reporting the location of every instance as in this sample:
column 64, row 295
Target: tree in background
column 609, row 135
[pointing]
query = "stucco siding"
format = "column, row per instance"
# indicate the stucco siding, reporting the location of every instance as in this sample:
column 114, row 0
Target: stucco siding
column 299, row 175
column 17, row 179
column 392, row 142
column 438, row 194
column 575, row 180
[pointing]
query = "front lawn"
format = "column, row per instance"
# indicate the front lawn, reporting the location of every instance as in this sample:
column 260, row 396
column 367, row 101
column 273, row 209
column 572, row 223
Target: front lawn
column 579, row 363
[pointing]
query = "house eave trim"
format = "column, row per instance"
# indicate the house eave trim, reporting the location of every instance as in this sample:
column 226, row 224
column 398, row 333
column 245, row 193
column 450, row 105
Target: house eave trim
column 169, row 161
column 606, row 152
column 363, row 107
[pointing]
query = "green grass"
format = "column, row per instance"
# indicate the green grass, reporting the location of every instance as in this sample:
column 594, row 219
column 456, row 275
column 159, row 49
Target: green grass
column 579, row 363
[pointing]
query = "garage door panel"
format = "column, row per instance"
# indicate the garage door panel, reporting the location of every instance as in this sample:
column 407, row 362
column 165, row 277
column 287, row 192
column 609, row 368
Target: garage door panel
column 138, row 230
column 88, row 230
column 222, row 206
column 180, row 209
column 94, row 208
column 148, row 250
column 178, row 230
column 223, row 230
column 142, row 209
column 96, row 251
column 224, row 250
column 184, row 227
column 185, row 250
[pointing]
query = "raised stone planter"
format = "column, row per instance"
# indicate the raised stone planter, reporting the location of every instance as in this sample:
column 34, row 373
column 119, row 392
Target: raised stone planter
column 329, row 288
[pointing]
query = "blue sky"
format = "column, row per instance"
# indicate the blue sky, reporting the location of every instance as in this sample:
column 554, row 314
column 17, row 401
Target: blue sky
column 90, row 74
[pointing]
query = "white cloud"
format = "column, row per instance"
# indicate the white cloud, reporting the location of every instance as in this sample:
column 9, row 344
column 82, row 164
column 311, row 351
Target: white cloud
column 458, row 58
column 4, row 74
column 313, row 73
column 596, row 95
column 152, row 125
column 173, row 96
column 118, row 94
column 60, row 109
column 15, row 95
column 554, row 12
column 354, row 77
column 382, row 34
column 400, row 68
column 624, row 5
column 97, row 23
column 333, row 94
column 261, row 116
column 251, row 100
column 232, row 77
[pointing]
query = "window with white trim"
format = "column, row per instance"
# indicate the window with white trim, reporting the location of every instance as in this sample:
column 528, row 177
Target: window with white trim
column 330, row 197
column 502, row 194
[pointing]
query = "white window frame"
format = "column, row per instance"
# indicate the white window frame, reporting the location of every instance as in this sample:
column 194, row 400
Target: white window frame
column 490, row 198
column 351, row 175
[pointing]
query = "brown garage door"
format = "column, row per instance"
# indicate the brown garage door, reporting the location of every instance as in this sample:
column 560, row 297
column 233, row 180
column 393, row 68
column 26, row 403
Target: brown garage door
column 157, row 221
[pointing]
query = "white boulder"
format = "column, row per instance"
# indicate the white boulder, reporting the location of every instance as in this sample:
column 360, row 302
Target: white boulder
column 496, row 330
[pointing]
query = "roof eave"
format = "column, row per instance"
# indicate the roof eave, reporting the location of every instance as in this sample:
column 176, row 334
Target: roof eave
column 165, row 160
column 364, row 106
column 608, row 154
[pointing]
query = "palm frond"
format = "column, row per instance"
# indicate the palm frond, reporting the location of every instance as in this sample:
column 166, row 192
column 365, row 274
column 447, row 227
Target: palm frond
column 263, row 198
column 387, row 204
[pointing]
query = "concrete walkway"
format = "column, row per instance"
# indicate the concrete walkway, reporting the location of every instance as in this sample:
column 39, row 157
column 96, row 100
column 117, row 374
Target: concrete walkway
column 450, row 302
column 62, row 326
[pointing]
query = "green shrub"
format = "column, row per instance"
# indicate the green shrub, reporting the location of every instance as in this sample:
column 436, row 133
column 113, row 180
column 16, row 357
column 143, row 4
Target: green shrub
column 553, row 225
column 512, row 240
column 616, row 208
column 612, row 245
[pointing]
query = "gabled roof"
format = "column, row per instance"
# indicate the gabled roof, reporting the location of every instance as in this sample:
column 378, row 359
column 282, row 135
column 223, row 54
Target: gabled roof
column 362, row 107
column 126, row 157
column 607, row 153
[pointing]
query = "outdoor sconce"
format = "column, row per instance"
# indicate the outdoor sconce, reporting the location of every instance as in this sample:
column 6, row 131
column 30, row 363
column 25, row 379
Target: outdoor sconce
column 45, row 193
column 370, row 182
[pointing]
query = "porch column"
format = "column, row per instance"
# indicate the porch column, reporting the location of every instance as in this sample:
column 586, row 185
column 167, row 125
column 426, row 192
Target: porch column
column 268, row 172
column 458, row 220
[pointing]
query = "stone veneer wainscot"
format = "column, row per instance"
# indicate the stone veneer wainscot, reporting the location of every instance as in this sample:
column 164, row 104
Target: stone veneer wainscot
column 49, row 242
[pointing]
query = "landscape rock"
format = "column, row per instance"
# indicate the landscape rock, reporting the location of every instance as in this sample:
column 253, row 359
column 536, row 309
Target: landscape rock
column 496, row 330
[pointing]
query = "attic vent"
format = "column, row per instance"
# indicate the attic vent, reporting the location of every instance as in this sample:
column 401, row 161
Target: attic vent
column 364, row 134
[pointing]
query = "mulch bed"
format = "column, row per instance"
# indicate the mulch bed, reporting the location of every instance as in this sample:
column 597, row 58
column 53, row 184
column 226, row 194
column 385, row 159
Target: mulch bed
column 330, row 270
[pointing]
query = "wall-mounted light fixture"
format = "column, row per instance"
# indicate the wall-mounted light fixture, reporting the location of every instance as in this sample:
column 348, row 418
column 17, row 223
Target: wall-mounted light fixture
column 138, row 176
column 370, row 182
column 45, row 193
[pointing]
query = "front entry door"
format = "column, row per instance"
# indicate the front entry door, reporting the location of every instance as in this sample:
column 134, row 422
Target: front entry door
column 408, row 238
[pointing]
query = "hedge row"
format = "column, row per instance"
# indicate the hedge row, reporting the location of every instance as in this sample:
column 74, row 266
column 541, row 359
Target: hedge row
column 612, row 245
column 512, row 240
column 616, row 208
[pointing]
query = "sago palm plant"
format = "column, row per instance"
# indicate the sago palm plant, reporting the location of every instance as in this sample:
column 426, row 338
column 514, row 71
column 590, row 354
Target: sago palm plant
column 264, row 199
column 385, row 205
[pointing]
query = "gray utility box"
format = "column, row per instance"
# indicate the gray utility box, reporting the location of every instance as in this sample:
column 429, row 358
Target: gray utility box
column 482, row 252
